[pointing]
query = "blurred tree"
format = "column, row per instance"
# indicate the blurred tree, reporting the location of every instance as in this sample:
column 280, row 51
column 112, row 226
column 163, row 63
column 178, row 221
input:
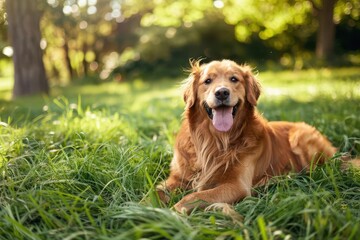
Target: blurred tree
column 326, row 30
column 3, row 27
column 276, row 17
column 92, row 37
column 282, row 24
column 58, row 29
column 273, row 18
column 86, row 37
column 24, row 31
column 80, row 29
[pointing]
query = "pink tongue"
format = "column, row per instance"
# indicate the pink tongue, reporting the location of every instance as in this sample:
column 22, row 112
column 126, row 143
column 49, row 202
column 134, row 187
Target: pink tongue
column 222, row 119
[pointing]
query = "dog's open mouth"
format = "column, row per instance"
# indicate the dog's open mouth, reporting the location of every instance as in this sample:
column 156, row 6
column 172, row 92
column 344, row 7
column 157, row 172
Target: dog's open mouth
column 222, row 116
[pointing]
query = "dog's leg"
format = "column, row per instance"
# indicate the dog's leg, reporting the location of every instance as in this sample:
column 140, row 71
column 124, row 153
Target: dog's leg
column 179, row 178
column 230, row 190
column 174, row 181
column 225, row 193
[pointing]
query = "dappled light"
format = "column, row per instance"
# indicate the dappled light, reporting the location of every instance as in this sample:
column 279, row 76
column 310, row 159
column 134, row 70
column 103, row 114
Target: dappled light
column 91, row 101
column 108, row 140
column 312, row 84
column 79, row 37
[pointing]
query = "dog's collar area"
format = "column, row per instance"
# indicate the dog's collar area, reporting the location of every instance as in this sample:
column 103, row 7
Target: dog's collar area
column 209, row 110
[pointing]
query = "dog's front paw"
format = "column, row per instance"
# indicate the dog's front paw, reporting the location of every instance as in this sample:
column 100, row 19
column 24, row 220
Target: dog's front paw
column 189, row 203
column 163, row 193
column 163, row 196
column 181, row 208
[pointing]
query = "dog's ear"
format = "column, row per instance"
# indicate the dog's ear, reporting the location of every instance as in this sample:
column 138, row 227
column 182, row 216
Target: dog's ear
column 253, row 87
column 189, row 84
column 189, row 91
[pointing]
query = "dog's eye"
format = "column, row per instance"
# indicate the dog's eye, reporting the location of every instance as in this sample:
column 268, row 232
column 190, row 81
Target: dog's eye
column 234, row 79
column 207, row 81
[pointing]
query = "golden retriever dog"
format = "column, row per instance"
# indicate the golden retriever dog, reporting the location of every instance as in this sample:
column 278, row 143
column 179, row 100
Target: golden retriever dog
column 225, row 147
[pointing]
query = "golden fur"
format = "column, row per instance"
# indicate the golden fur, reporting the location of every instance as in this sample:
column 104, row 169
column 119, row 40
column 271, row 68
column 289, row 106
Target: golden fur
column 223, row 166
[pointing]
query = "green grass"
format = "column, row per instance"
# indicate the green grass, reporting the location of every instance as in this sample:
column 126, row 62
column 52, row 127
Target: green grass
column 82, row 164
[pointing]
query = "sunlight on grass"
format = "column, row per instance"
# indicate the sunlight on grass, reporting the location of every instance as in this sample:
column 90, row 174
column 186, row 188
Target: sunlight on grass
column 82, row 164
column 309, row 84
column 160, row 95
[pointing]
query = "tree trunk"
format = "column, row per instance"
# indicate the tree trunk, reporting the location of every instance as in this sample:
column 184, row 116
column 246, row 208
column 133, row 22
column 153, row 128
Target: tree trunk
column 24, row 32
column 326, row 31
column 84, row 63
column 67, row 58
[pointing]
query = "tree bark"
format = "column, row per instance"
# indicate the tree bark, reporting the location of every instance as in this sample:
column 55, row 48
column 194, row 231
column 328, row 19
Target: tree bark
column 84, row 63
column 326, row 31
column 24, row 32
column 67, row 58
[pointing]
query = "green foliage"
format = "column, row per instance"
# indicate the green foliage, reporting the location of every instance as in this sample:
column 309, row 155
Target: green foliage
column 83, row 165
column 91, row 38
column 273, row 28
column 174, row 13
column 266, row 18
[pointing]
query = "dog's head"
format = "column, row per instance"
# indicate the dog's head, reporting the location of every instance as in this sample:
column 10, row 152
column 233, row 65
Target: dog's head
column 221, row 89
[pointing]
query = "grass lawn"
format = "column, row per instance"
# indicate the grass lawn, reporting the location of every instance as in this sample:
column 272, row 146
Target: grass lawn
column 82, row 164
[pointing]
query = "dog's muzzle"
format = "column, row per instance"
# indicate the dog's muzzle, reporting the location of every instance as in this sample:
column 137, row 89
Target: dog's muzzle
column 222, row 116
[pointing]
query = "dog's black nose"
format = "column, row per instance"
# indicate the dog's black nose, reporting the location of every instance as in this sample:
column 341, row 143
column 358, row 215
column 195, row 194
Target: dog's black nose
column 222, row 94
